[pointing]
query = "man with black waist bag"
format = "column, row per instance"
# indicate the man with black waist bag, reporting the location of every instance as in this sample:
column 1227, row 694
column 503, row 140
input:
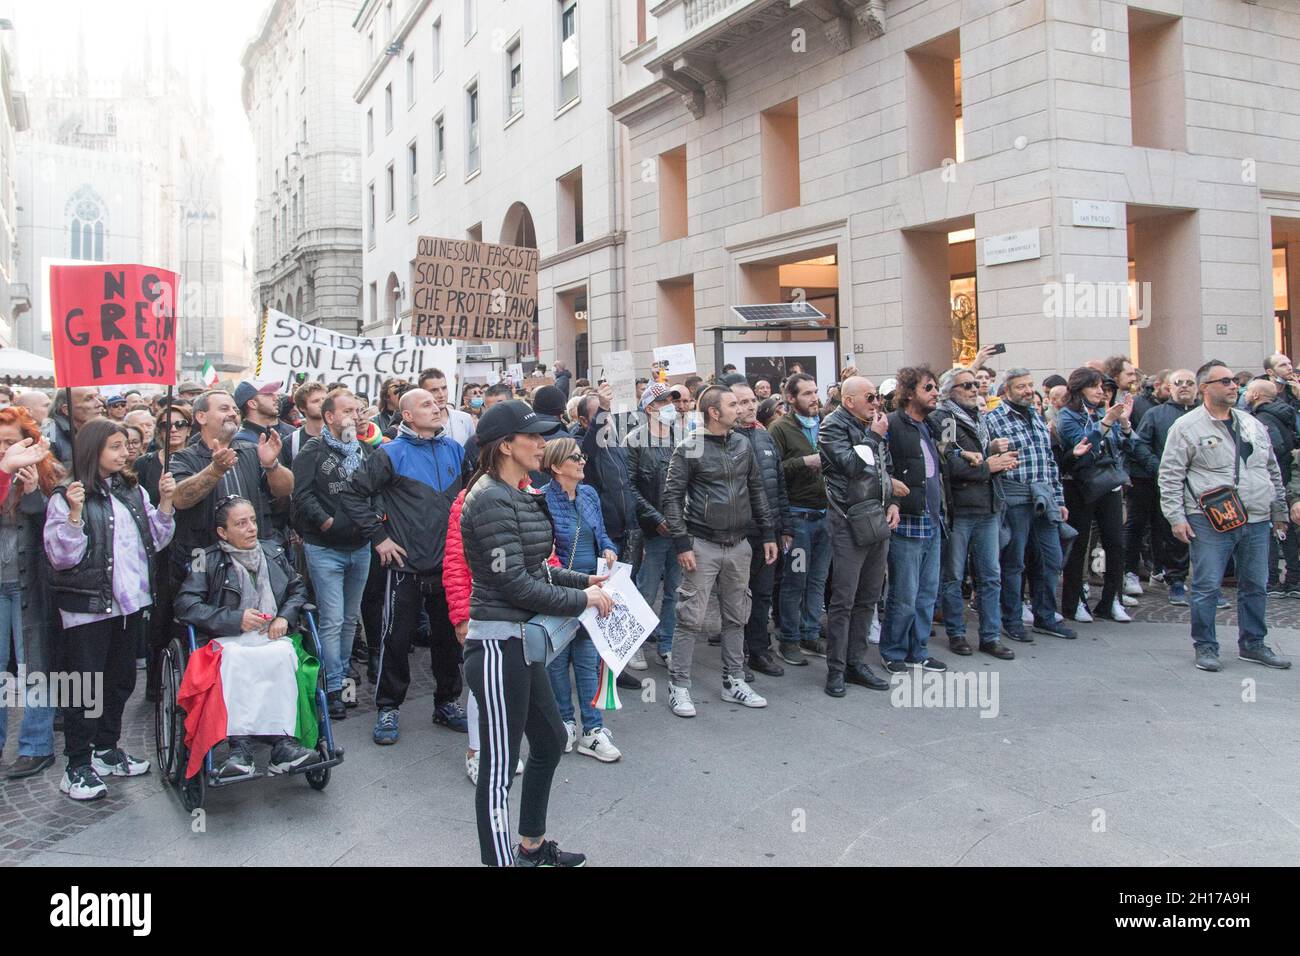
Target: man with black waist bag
column 854, row 466
column 1221, row 489
column 713, row 492
column 412, row 482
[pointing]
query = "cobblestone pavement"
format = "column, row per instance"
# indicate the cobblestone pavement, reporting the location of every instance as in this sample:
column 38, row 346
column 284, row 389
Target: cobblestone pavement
column 35, row 816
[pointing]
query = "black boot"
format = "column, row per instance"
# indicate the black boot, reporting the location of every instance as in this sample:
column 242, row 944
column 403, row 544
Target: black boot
column 835, row 683
column 336, row 707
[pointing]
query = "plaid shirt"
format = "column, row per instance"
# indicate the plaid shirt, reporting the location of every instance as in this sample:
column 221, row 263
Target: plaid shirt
column 1034, row 443
column 915, row 526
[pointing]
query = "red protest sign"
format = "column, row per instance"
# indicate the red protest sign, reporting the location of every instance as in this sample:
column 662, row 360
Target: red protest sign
column 113, row 325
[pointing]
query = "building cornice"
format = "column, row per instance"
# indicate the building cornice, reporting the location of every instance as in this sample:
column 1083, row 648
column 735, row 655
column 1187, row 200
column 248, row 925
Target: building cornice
column 377, row 68
column 609, row 240
column 634, row 106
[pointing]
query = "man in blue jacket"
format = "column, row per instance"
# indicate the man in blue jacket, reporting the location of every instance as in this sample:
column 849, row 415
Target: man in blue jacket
column 413, row 481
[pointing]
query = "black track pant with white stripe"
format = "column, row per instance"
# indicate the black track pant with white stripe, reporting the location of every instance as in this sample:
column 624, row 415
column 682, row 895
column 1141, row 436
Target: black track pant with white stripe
column 404, row 594
column 515, row 699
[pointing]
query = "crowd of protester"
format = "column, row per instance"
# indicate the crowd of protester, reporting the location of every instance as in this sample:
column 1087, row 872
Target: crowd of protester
column 784, row 523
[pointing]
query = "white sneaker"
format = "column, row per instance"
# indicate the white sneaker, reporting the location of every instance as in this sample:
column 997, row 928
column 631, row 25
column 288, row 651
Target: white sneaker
column 679, row 699
column 736, row 691
column 117, row 763
column 1128, row 601
column 471, row 768
column 1118, row 614
column 1081, row 614
column 573, row 736
column 1132, row 586
column 599, row 745
column 637, row 663
column 1027, row 614
column 82, row 785
column 873, row 636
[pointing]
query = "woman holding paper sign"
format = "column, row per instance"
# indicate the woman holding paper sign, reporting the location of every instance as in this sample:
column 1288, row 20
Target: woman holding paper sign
column 579, row 534
column 508, row 540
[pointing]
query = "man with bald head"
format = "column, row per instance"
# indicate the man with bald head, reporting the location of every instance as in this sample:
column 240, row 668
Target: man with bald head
column 1279, row 370
column 37, row 404
column 1168, row 554
column 400, row 499
column 854, row 467
column 86, row 407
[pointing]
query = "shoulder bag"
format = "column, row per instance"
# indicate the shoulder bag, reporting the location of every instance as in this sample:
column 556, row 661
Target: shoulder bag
column 545, row 635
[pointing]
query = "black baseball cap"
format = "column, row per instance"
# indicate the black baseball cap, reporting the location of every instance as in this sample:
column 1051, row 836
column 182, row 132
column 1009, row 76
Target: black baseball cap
column 510, row 418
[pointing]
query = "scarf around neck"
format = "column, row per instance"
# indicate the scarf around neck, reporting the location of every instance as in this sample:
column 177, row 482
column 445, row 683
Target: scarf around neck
column 976, row 424
column 349, row 451
column 254, row 578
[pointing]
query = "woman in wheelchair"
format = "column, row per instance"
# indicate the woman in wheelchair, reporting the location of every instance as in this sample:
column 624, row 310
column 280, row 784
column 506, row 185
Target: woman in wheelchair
column 245, row 586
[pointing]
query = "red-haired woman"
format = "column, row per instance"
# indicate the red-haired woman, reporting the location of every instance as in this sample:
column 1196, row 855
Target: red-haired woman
column 24, row 599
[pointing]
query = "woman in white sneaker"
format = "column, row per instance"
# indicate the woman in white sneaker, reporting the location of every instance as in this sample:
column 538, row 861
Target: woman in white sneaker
column 580, row 538
column 102, row 537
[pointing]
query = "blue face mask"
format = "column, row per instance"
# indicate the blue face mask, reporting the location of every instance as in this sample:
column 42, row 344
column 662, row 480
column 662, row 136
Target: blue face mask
column 807, row 421
column 476, row 402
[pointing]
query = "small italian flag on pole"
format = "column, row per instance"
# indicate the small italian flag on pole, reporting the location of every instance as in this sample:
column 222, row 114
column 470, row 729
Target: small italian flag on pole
column 209, row 374
column 607, row 693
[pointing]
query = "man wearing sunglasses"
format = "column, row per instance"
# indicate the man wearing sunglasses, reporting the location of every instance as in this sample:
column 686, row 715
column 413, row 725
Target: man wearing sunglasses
column 1169, row 555
column 1210, row 448
column 854, row 468
column 915, row 551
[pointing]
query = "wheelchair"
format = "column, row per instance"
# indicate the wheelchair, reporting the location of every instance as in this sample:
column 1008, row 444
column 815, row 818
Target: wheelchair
column 169, row 727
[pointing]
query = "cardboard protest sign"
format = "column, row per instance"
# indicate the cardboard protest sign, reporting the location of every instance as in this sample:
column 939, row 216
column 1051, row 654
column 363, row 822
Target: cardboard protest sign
column 474, row 291
column 620, row 372
column 287, row 347
column 113, row 325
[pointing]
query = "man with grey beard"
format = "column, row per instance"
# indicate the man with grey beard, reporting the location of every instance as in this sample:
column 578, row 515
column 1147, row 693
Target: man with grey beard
column 337, row 552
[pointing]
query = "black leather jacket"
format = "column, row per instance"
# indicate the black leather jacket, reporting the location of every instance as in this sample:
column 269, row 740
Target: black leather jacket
column 848, row 478
column 714, row 491
column 972, row 490
column 647, row 467
column 210, row 599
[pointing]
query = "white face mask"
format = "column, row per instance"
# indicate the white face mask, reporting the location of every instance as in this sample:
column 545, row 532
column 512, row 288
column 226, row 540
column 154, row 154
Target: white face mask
column 668, row 415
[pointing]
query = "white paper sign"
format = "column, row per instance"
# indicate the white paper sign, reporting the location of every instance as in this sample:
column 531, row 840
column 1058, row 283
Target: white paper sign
column 620, row 569
column 1011, row 247
column 618, row 635
column 620, row 372
column 515, row 374
column 680, row 358
column 1102, row 215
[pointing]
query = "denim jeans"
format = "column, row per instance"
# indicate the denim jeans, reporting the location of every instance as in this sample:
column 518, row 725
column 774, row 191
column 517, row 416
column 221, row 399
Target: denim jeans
column 1211, row 549
column 979, row 538
column 659, row 565
column 1045, row 536
column 913, row 590
column 36, row 733
column 581, row 653
column 339, row 579
column 803, row 578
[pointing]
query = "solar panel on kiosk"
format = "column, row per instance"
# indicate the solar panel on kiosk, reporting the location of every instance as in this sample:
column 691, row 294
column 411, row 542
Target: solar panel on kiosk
column 779, row 312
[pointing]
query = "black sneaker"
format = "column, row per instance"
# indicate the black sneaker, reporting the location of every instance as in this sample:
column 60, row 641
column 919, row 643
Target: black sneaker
column 628, row 681
column 337, row 710
column 548, row 854
column 1275, row 589
column 1056, row 630
column 1291, row 590
column 896, row 667
column 288, row 754
column 1207, row 658
column 933, row 664
column 239, row 763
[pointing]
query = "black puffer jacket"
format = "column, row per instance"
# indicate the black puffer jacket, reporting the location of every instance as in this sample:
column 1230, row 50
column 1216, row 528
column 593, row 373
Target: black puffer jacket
column 1280, row 420
column 317, row 483
column 849, row 479
column 715, row 491
column 909, row 461
column 209, row 599
column 768, row 457
column 647, row 466
column 507, row 537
